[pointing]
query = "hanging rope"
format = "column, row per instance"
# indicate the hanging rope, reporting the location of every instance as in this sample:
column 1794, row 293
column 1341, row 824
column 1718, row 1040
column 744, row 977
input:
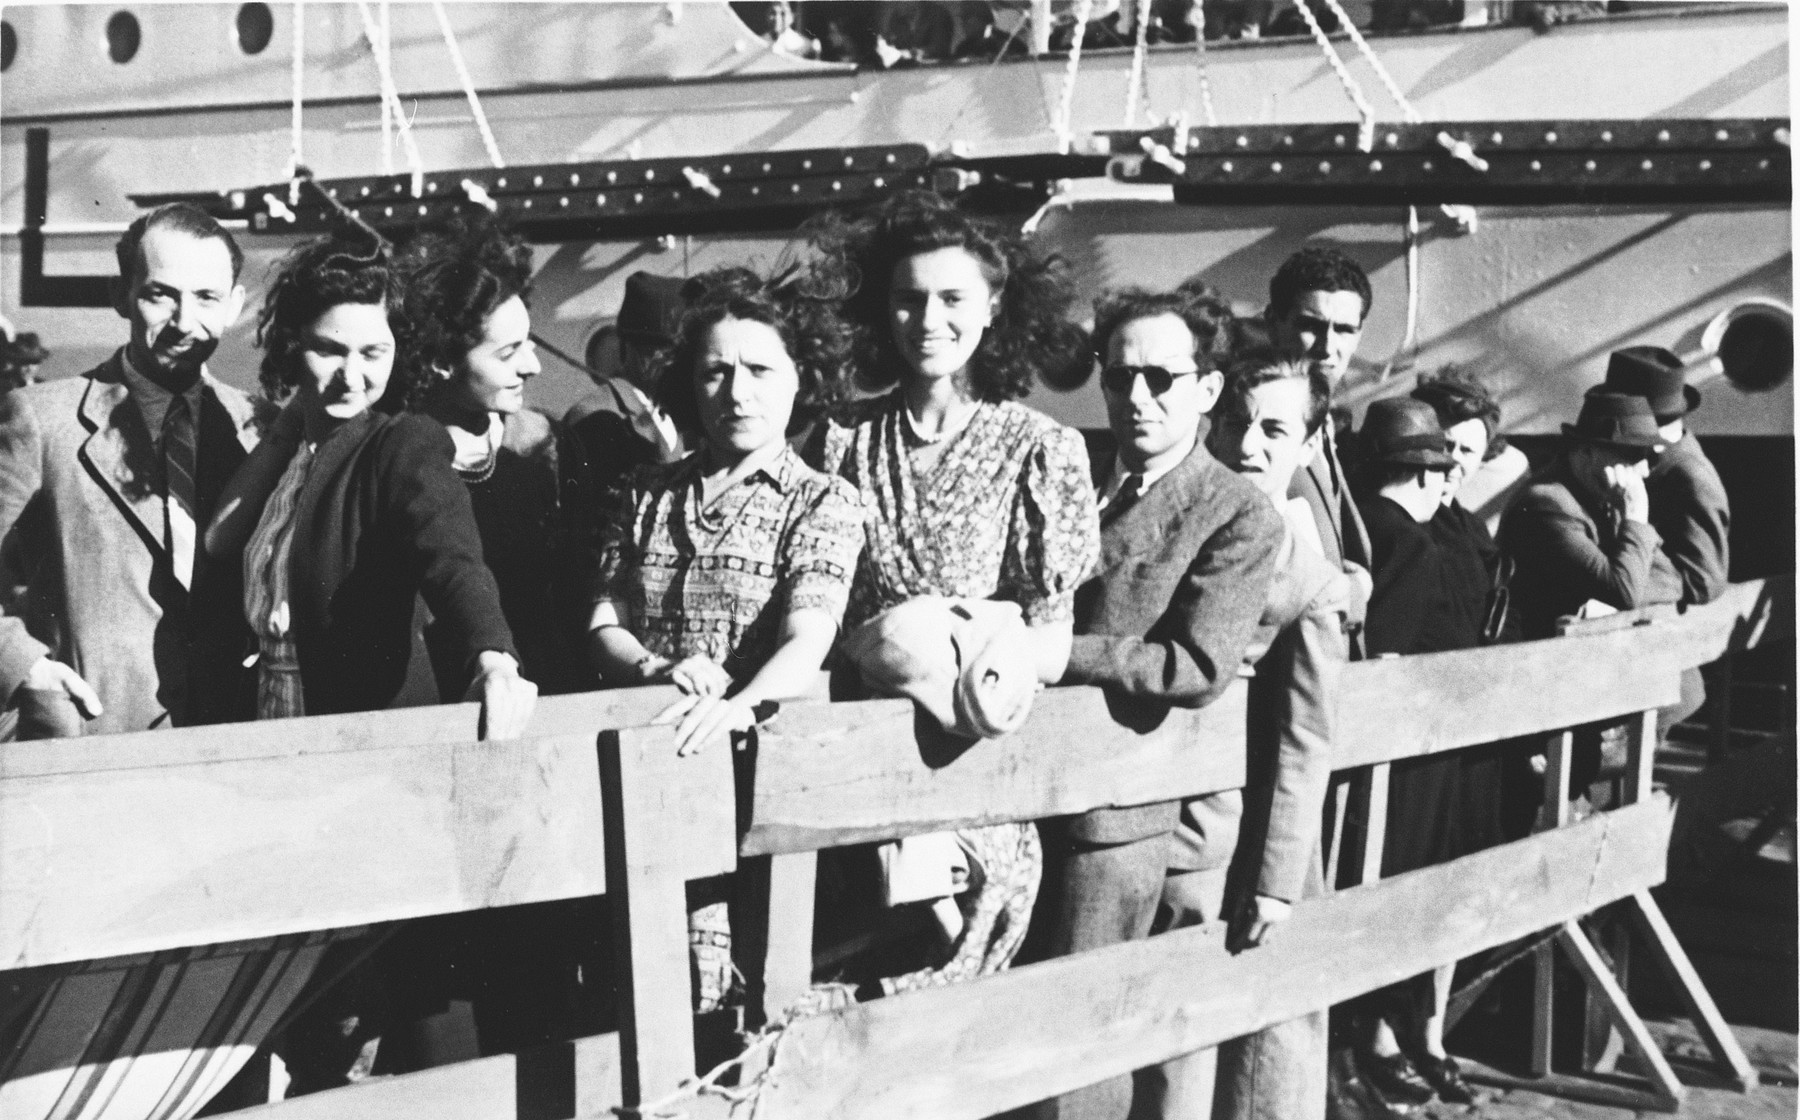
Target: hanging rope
column 1066, row 113
column 1138, row 87
column 1409, row 342
column 1365, row 134
column 390, row 97
column 1381, row 71
column 1206, row 101
column 468, row 84
column 298, row 99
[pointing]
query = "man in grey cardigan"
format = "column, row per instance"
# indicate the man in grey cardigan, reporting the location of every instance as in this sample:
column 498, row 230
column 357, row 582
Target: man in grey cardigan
column 1187, row 552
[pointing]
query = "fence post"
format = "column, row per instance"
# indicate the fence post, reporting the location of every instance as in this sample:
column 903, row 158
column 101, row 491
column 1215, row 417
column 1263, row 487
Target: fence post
column 653, row 809
column 1558, row 759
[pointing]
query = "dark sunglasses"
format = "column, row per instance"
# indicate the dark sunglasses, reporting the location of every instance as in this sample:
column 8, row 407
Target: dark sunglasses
column 1118, row 379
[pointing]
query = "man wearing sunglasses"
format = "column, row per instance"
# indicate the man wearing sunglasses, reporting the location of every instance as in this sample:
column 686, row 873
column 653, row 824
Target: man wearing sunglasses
column 1318, row 302
column 1186, row 555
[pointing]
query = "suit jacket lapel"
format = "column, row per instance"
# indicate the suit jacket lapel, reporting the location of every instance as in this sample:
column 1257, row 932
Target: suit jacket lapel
column 1154, row 514
column 120, row 454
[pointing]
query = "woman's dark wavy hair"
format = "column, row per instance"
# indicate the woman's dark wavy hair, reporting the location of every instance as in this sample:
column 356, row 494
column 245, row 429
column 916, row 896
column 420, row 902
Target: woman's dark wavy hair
column 455, row 279
column 1458, row 397
column 805, row 317
column 1029, row 336
column 353, row 265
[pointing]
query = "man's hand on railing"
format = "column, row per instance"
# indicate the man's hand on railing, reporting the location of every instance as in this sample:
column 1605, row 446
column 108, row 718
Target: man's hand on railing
column 1255, row 921
column 47, row 675
column 506, row 698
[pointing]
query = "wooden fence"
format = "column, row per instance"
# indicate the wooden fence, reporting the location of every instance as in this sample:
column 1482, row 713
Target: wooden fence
column 127, row 844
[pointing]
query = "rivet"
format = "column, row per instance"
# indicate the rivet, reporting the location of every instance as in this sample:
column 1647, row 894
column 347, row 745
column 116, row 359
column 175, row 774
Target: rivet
column 649, row 174
column 1706, row 165
column 836, row 186
column 1589, row 165
column 332, row 193
column 365, row 192
column 537, row 180
column 725, row 169
column 1243, row 141
column 637, row 197
column 1536, row 166
column 768, row 167
column 1606, row 136
column 422, row 209
column 880, row 182
column 1663, row 136
column 574, row 180
column 599, row 200
column 528, row 204
column 1550, row 137
column 1287, row 141
column 849, row 161
column 1324, row 167
column 806, row 165
column 1646, row 165
column 793, row 188
column 1497, row 138
column 501, row 183
column 1722, row 135
column 754, row 191
column 612, row 176
column 1226, row 167
column 431, row 186
column 388, row 211
column 1426, row 165
column 1374, row 165
column 1275, row 167
column 1393, row 139
column 563, row 202
column 1762, row 165
column 890, row 158
column 1338, row 139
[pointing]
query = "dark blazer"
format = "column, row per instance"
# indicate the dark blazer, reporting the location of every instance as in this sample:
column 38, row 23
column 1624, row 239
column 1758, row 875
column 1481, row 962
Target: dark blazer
column 1183, row 577
column 618, row 432
column 1567, row 550
column 88, row 575
column 1412, row 607
column 382, row 518
column 1322, row 483
column 1689, row 510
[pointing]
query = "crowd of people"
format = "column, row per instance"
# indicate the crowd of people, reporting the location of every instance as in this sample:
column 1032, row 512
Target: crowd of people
column 830, row 469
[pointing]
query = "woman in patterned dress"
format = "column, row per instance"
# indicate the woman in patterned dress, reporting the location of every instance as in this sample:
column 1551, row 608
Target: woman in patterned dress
column 966, row 493
column 726, row 572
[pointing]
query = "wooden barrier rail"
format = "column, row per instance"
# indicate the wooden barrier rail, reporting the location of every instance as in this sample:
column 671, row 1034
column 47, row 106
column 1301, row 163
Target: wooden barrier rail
column 100, row 855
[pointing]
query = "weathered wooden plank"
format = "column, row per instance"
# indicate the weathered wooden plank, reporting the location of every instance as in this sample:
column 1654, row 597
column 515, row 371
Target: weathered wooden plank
column 1667, row 1091
column 1394, row 708
column 1745, row 615
column 118, row 861
column 657, row 804
column 1127, row 1005
column 828, row 775
column 1704, row 1013
column 588, row 712
column 557, row 1082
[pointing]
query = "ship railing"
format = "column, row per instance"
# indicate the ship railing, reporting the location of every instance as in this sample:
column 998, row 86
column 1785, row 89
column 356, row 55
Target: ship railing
column 133, row 844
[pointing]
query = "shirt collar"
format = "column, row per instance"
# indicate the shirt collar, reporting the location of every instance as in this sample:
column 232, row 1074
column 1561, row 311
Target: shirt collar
column 778, row 471
column 153, row 400
column 1120, row 471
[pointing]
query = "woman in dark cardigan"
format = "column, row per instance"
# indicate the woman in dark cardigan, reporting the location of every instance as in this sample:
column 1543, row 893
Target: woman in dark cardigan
column 341, row 518
column 469, row 358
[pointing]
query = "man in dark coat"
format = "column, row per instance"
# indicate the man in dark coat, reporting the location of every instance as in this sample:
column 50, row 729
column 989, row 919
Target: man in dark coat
column 1187, row 553
column 1688, row 505
column 619, row 423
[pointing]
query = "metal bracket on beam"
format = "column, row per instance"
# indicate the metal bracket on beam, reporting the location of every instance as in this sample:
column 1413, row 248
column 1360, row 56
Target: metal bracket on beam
column 1488, row 163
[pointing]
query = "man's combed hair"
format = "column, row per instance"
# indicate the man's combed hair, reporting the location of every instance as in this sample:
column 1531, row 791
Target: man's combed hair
column 1459, row 397
column 1030, row 335
column 182, row 217
column 1206, row 316
column 455, row 280
column 353, row 266
column 818, row 341
column 1316, row 268
column 1262, row 365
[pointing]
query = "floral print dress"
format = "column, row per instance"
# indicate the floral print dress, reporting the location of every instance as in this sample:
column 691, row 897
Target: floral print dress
column 1007, row 511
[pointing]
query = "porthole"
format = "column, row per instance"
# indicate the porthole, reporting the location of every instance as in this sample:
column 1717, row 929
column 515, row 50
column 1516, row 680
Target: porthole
column 123, row 37
column 1757, row 351
column 255, row 28
column 9, row 45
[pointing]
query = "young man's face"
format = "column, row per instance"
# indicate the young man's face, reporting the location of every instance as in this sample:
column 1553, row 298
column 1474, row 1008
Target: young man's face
column 1155, row 391
column 1326, row 327
column 1266, row 440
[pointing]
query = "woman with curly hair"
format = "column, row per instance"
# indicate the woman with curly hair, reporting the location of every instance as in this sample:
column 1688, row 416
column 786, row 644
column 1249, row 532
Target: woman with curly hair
column 341, row 518
column 967, row 494
column 726, row 572
column 470, row 356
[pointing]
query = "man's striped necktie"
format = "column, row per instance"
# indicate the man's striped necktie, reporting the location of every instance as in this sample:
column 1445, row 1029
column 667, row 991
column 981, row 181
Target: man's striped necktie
column 179, row 440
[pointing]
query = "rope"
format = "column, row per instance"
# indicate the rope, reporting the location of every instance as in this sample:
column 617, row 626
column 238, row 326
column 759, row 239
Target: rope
column 1066, row 114
column 298, row 99
column 387, row 109
column 1365, row 134
column 468, row 84
column 1387, row 80
column 1137, row 87
column 1409, row 343
column 1206, row 100
column 390, row 97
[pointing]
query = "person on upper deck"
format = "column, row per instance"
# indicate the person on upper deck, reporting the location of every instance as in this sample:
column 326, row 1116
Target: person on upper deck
column 726, row 573
column 1319, row 300
column 1581, row 531
column 967, row 494
column 1187, row 550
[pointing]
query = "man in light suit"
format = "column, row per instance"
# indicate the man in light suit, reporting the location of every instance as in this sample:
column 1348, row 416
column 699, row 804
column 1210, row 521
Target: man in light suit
column 1187, row 552
column 107, row 482
column 1318, row 302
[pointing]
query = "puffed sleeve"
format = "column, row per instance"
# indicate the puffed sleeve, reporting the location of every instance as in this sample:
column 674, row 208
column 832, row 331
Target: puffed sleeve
column 1054, row 539
column 822, row 548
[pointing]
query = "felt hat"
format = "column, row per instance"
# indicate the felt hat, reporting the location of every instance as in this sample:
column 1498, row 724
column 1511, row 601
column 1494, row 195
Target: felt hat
column 24, row 350
column 1404, row 432
column 1654, row 374
column 651, row 309
column 1618, row 420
